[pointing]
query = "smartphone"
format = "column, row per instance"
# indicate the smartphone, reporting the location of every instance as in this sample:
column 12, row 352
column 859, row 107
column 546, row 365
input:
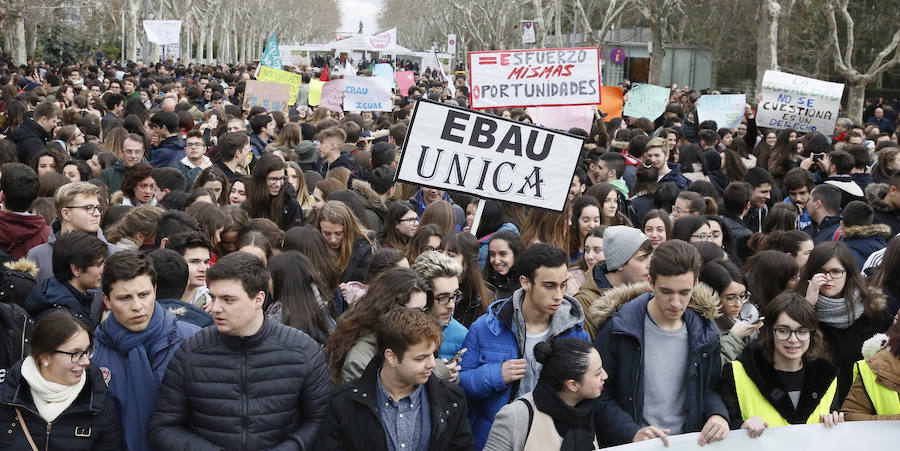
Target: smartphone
column 761, row 318
column 458, row 356
column 818, row 156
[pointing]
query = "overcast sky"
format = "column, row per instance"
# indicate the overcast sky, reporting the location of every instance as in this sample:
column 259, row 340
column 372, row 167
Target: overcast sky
column 353, row 11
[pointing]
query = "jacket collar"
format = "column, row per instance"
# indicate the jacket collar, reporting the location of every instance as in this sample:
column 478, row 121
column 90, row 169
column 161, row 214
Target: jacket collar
column 866, row 231
column 507, row 313
column 886, row 368
column 252, row 341
column 364, row 388
column 15, row 392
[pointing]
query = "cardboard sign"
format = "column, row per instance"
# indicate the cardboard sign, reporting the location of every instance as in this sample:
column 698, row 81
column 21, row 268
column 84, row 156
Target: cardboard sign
column 452, row 148
column 281, row 76
column 612, row 102
column 546, row 77
column 727, row 110
column 367, row 94
column 271, row 96
column 405, row 80
column 563, row 117
column 798, row 103
column 315, row 92
column 647, row 101
column 333, row 95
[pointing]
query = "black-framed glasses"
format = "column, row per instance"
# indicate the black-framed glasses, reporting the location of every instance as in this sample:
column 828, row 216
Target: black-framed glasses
column 737, row 299
column 410, row 220
column 78, row 355
column 276, row 180
column 89, row 209
column 704, row 236
column 835, row 273
column 784, row 333
column 447, row 297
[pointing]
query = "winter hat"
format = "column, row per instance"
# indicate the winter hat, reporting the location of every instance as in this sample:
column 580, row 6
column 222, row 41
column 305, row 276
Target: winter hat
column 306, row 152
column 620, row 243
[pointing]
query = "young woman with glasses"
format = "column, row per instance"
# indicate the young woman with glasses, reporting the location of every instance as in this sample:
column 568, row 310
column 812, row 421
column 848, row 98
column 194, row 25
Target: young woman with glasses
column 783, row 378
column 740, row 322
column 270, row 196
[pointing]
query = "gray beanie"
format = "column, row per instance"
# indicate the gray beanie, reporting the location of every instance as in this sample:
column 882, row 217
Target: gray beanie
column 620, row 243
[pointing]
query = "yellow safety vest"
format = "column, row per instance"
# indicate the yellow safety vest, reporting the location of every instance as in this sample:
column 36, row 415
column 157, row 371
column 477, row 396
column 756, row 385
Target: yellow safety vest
column 754, row 404
column 885, row 400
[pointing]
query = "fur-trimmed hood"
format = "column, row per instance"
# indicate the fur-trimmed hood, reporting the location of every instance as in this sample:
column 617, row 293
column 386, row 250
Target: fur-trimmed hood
column 875, row 194
column 23, row 265
column 704, row 301
column 364, row 189
column 866, row 231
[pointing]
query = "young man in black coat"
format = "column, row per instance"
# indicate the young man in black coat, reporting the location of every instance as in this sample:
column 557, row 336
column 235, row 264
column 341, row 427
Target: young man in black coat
column 398, row 404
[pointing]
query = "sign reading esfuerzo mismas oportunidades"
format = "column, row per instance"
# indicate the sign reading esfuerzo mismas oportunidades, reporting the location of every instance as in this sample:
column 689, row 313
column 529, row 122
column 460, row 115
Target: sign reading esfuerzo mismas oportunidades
column 542, row 77
column 452, row 148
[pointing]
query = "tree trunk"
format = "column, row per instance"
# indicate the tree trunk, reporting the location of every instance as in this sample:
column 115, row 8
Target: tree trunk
column 210, row 42
column 201, row 43
column 557, row 22
column 855, row 96
column 17, row 44
column 657, row 54
column 766, row 39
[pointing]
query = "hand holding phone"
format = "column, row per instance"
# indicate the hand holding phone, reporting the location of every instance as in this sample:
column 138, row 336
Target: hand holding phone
column 458, row 356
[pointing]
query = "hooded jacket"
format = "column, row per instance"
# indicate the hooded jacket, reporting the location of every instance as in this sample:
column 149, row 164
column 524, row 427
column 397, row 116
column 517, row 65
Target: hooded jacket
column 186, row 312
column 343, row 161
column 52, row 295
column 42, row 255
column 16, row 281
column 21, row 232
column 16, row 327
column 827, row 230
column 675, row 177
column 620, row 339
column 858, row 405
column 169, row 152
column 884, row 213
column 498, row 336
column 863, row 240
column 30, row 139
column 593, row 288
column 850, row 190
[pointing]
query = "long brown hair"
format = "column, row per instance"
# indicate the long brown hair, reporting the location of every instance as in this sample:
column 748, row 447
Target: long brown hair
column 546, row 226
column 260, row 204
column 801, row 311
column 389, row 235
column 337, row 212
column 390, row 289
column 471, row 283
column 441, row 214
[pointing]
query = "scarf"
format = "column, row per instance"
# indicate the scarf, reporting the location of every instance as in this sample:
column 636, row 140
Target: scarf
column 145, row 352
column 50, row 398
column 833, row 311
column 574, row 424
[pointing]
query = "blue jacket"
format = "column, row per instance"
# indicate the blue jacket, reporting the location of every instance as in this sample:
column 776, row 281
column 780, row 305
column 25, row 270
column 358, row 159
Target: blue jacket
column 169, row 152
column 828, row 230
column 453, row 337
column 483, row 243
column 53, row 295
column 498, row 336
column 865, row 240
column 620, row 339
column 675, row 176
column 186, row 312
column 257, row 145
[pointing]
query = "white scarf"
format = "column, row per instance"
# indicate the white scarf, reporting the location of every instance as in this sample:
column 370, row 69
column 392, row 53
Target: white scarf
column 50, row 398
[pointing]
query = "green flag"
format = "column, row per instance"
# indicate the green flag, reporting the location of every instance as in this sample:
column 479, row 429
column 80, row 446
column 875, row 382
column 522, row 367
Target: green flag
column 271, row 56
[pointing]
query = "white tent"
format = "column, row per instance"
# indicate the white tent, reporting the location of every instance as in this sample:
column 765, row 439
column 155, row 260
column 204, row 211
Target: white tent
column 358, row 43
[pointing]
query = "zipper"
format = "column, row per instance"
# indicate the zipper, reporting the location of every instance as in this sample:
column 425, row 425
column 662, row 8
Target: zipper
column 243, row 398
column 24, row 331
column 47, row 440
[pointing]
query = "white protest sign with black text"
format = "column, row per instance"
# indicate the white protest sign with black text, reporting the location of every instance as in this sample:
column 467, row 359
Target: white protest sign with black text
column 547, row 77
column 451, row 148
column 367, row 93
column 798, row 103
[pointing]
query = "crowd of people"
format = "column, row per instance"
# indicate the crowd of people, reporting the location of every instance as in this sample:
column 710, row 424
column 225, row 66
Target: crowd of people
column 181, row 272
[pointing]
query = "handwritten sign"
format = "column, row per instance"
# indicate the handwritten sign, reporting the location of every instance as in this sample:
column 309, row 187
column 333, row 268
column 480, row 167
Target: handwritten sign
column 271, row 96
column 405, row 80
column 367, row 93
column 549, row 77
column 563, row 117
column 333, row 95
column 727, row 109
column 646, row 101
column 798, row 103
column 612, row 102
column 452, row 148
column 315, row 92
column 281, row 76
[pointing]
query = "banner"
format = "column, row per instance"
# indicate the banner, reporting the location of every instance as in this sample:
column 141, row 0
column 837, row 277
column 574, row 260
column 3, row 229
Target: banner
column 452, row 148
column 563, row 117
column 851, row 435
column 727, row 110
column 381, row 42
column 405, row 80
column 271, row 96
column 451, row 43
column 367, row 94
column 333, row 95
column 611, row 102
column 528, row 32
column 271, row 56
column 546, row 77
column 646, row 101
column 163, row 32
column 798, row 103
column 281, row 76
column 315, row 92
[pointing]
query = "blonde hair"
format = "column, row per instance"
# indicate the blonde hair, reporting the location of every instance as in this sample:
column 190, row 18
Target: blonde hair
column 65, row 195
column 114, row 141
column 337, row 212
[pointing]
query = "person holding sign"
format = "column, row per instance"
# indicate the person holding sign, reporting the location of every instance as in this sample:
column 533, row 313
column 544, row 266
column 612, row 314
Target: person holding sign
column 783, row 378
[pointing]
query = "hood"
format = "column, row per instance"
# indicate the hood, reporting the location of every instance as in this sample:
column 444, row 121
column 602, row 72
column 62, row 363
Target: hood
column 875, row 194
column 16, row 227
column 886, row 368
column 704, row 301
column 364, row 189
column 23, row 265
column 52, row 291
column 845, row 183
column 508, row 312
column 866, row 231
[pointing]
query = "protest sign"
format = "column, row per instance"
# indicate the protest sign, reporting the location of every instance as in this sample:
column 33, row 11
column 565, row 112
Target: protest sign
column 546, row 77
column 333, row 95
column 798, row 103
column 452, row 148
column 563, row 117
column 855, row 435
column 315, row 92
column 163, row 32
column 271, row 96
column 405, row 80
column 611, row 102
column 646, row 101
column 367, row 94
column 281, row 76
column 383, row 70
column 727, row 109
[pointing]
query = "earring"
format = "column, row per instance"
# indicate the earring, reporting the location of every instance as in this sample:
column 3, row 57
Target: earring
column 46, row 363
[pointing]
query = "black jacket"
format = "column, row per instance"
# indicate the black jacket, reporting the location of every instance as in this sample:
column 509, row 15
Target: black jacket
column 358, row 265
column 817, row 377
column 30, row 139
column 740, row 234
column 265, row 391
column 91, row 422
column 15, row 332
column 353, row 407
column 15, row 285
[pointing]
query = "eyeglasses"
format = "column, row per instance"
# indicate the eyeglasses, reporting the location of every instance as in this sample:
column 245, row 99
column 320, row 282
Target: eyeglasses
column 447, row 297
column 678, row 211
column 276, row 180
column 784, row 334
column 78, row 355
column 835, row 273
column 410, row 220
column 193, row 145
column 704, row 236
column 89, row 209
column 737, row 299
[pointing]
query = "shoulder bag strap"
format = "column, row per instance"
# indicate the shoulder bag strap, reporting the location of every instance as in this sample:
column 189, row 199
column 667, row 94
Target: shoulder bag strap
column 25, row 430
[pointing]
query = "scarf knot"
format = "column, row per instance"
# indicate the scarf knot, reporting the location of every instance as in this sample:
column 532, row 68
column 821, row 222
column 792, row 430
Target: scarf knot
column 50, row 398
